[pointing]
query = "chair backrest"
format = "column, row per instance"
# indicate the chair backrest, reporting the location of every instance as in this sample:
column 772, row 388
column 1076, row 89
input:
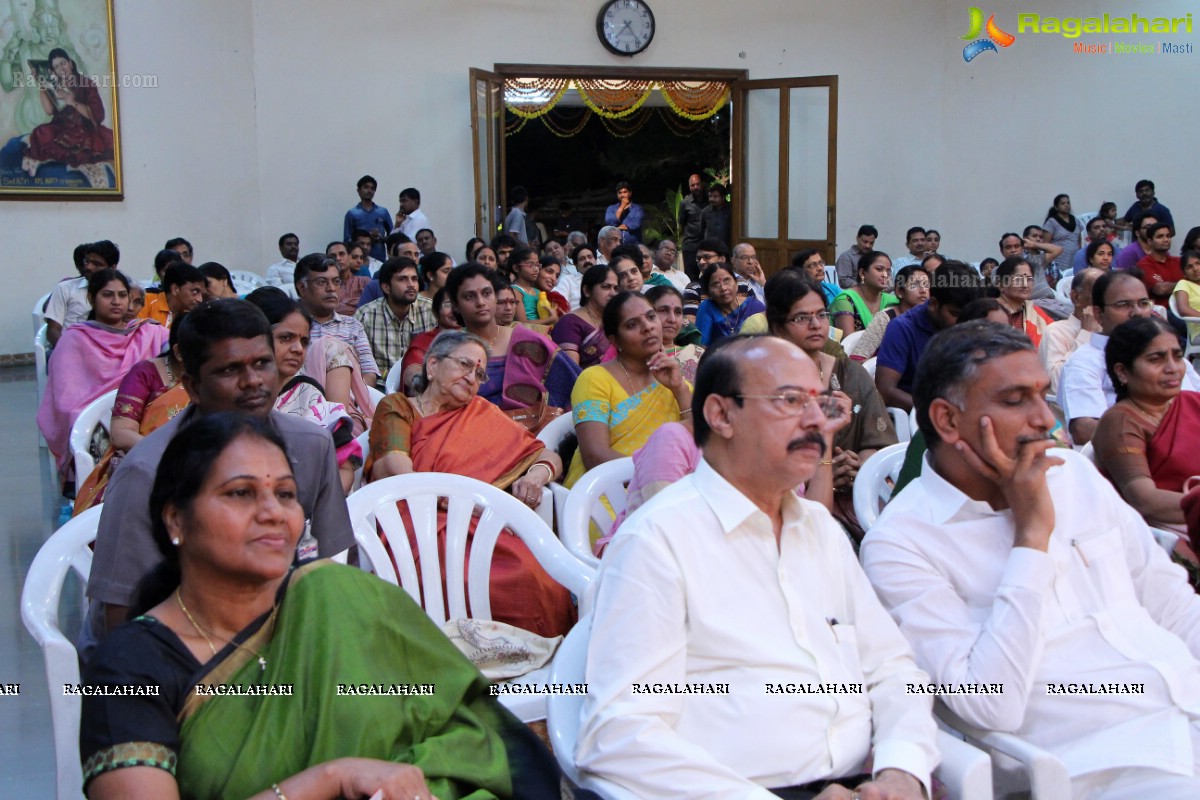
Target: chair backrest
column 871, row 487
column 40, row 346
column 869, row 366
column 559, row 428
column 562, row 710
column 376, row 396
column 608, row 481
column 831, row 275
column 392, row 384
column 465, row 498
column 364, row 441
column 1063, row 288
column 39, row 318
column 67, row 549
column 850, row 340
column 900, row 422
column 245, row 281
column 97, row 412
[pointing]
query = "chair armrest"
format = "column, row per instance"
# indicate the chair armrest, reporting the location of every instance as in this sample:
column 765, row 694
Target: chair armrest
column 965, row 770
column 1048, row 779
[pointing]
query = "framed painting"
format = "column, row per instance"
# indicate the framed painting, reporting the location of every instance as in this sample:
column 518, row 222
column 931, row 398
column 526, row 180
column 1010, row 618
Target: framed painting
column 59, row 126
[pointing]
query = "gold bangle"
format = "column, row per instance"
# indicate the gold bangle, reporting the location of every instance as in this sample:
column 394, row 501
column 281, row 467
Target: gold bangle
column 823, row 463
column 278, row 792
column 545, row 466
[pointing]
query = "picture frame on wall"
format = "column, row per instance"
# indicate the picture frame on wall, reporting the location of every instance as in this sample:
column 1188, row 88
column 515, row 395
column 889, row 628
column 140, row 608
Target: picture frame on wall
column 59, row 122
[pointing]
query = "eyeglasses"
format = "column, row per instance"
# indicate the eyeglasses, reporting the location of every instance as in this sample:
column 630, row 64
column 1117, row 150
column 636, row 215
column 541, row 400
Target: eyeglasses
column 1145, row 304
column 467, row 366
column 794, row 404
column 745, row 258
column 324, row 283
column 807, row 319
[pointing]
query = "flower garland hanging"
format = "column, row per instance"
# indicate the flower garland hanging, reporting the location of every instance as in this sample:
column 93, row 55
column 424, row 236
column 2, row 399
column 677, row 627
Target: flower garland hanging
column 695, row 100
column 672, row 123
column 532, row 97
column 613, row 99
column 627, row 127
column 564, row 133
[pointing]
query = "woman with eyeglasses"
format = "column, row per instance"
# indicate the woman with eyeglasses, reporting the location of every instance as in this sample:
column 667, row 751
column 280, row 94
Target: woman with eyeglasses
column 796, row 311
column 414, row 356
column 1014, row 279
column 912, row 289
column 447, row 427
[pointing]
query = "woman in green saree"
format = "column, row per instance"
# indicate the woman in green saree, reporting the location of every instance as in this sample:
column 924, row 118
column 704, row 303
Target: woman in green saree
column 244, row 677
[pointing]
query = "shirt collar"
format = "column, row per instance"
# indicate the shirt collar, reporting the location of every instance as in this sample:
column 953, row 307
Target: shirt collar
column 945, row 500
column 732, row 508
column 1098, row 341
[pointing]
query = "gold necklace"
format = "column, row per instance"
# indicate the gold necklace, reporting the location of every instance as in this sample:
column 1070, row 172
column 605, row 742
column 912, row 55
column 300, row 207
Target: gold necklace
column 421, row 405
column 262, row 662
column 628, row 377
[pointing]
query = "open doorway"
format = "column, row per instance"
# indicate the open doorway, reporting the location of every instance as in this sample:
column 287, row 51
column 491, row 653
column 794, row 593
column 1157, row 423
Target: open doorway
column 778, row 139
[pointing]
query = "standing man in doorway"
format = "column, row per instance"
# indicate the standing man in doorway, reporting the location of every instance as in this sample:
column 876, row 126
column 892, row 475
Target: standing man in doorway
column 690, row 218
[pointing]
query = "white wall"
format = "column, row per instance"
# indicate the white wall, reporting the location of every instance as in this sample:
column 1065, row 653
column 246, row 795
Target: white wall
column 267, row 113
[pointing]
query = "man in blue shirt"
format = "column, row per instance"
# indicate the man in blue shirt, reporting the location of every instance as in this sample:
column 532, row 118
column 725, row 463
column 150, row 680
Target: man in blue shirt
column 368, row 217
column 952, row 286
column 1148, row 203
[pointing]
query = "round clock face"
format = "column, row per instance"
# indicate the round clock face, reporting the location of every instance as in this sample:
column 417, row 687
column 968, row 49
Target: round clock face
column 626, row 27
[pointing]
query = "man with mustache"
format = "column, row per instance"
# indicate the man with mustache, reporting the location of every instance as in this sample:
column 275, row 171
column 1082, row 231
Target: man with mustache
column 736, row 648
column 228, row 365
column 1011, row 562
column 318, row 283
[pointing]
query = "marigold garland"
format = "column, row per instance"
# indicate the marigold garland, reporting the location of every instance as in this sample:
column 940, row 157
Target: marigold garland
column 634, row 124
column 613, row 99
column 695, row 100
column 562, row 133
column 529, row 95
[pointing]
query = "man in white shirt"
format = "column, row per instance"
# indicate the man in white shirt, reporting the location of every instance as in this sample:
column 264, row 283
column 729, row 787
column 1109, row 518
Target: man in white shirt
column 1062, row 338
column 664, row 262
column 1015, row 563
column 68, row 301
column 280, row 273
column 607, row 240
column 745, row 263
column 410, row 218
column 914, row 239
column 736, row 646
column 1085, row 390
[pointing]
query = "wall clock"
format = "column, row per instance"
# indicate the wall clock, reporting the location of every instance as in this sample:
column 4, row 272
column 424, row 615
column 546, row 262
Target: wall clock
column 625, row 27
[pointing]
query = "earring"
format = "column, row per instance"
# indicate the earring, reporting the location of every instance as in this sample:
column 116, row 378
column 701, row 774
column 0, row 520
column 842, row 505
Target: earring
column 175, row 541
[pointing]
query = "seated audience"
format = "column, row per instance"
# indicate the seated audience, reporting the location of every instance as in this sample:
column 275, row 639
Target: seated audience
column 748, row 269
column 300, row 395
column 854, row 308
column 403, row 247
column 1187, row 292
column 68, row 301
column 1136, row 250
column 1160, row 270
column 914, row 240
column 726, row 578
column 626, row 261
column 618, row 404
column 1014, row 564
column 1099, row 255
column 668, row 306
column 911, row 289
column 524, row 367
column 473, row 246
column 149, row 396
column 351, row 286
column 90, row 359
column 1097, row 231
column 548, row 299
column 181, row 246
column 1064, row 337
column 987, row 308
column 506, row 305
column 281, row 274
column 666, row 263
column 414, row 356
column 359, row 255
column 226, row 611
column 1014, row 279
column 1148, row 203
column 796, row 311
column 447, row 427
column 726, row 308
column 182, row 289
column 847, row 262
column 525, row 265
column 1146, row 444
column 317, row 284
column 137, row 299
column 433, row 270
column 218, row 283
column 393, row 320
column 580, row 333
column 813, row 265
column 650, row 275
column 228, row 365
column 952, row 287
column 987, row 268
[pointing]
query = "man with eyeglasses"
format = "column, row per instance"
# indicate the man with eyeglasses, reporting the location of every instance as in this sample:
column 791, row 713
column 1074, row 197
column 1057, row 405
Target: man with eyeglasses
column 1085, row 390
column 747, row 268
column 736, row 647
column 317, row 284
column 664, row 263
column 952, row 286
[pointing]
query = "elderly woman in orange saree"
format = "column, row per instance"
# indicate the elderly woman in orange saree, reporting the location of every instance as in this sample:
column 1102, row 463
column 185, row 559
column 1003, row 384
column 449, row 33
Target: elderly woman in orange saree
column 447, row 427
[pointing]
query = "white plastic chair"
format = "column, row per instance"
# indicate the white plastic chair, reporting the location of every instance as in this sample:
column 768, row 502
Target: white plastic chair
column 376, row 396
column 245, row 281
column 869, row 366
column 850, row 340
column 97, row 412
column 552, row 436
column 40, row 349
column 66, row 549
column 1063, row 288
column 900, row 423
column 39, row 318
column 375, row 505
column 609, row 480
column 1192, row 346
column 392, row 384
column 965, row 770
column 364, row 441
column 1044, row 773
column 871, row 488
column 831, row 275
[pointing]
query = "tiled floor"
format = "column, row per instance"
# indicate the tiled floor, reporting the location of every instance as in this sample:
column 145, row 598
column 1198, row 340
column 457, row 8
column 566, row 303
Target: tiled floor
column 29, row 508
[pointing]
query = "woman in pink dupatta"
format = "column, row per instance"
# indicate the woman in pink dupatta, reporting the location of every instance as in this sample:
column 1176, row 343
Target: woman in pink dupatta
column 332, row 363
column 91, row 358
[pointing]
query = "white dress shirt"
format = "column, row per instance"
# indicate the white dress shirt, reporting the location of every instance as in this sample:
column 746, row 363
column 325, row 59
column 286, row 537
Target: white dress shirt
column 678, row 278
column 414, row 222
column 569, row 284
column 1084, row 388
column 1059, row 340
column 694, row 589
column 68, row 302
column 281, row 274
column 1103, row 606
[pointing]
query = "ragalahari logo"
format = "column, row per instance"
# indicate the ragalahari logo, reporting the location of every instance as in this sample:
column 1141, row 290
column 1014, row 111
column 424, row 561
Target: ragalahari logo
column 995, row 36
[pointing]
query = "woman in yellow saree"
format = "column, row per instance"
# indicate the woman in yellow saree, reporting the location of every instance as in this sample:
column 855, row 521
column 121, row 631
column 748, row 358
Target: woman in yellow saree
column 245, row 678
column 618, row 404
